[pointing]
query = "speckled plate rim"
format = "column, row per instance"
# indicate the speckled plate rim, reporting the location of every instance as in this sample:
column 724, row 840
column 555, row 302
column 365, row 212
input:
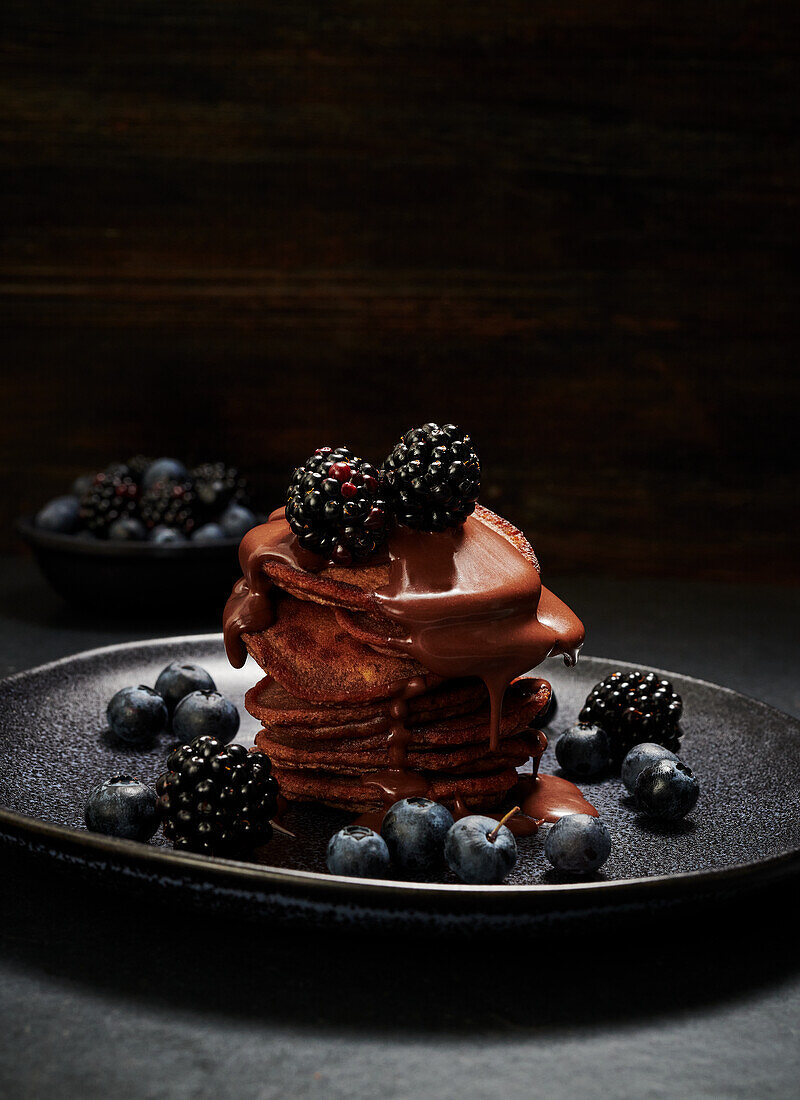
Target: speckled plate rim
column 290, row 889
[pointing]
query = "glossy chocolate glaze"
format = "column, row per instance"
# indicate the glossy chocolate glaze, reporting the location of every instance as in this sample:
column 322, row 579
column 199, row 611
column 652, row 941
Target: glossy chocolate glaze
column 398, row 781
column 549, row 797
column 520, row 825
column 249, row 607
column 469, row 603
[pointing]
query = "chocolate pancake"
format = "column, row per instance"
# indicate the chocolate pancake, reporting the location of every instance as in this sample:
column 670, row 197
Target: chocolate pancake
column 276, row 708
column 446, row 729
column 513, row 752
column 482, row 792
column 368, row 627
column 311, row 655
column 350, row 587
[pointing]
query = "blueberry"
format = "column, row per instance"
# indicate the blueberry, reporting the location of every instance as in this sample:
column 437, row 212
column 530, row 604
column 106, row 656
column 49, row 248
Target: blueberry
column 583, row 750
column 578, row 843
column 236, row 521
column 165, row 535
column 82, row 484
column 137, row 714
column 667, row 789
column 205, row 712
column 127, row 529
column 179, row 679
column 641, row 757
column 163, row 469
column 479, row 850
column 415, row 831
column 358, row 852
column 209, row 532
column 60, row 515
column 123, row 807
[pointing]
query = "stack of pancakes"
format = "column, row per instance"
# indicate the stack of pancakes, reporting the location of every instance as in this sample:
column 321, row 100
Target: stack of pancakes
column 352, row 722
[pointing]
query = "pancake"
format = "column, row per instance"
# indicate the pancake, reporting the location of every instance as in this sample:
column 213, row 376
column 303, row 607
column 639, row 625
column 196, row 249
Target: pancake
column 276, row 708
column 482, row 792
column 368, row 627
column 337, row 586
column 513, row 752
column 448, row 729
column 312, row 743
column 312, row 656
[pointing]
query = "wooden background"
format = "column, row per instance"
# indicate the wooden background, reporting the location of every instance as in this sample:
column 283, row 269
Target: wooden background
column 244, row 229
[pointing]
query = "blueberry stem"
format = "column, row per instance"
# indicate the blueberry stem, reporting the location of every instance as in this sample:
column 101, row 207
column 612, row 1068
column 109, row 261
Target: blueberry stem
column 493, row 834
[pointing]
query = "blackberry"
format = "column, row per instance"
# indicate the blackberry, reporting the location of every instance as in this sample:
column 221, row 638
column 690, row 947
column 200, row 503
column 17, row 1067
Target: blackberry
column 217, row 799
column 170, row 504
column 137, row 467
column 633, row 707
column 118, row 469
column 112, row 495
column 434, row 477
column 217, row 485
column 321, row 461
column 336, row 506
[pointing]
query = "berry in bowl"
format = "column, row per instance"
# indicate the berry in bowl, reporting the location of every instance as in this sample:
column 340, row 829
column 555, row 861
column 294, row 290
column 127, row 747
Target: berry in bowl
column 144, row 535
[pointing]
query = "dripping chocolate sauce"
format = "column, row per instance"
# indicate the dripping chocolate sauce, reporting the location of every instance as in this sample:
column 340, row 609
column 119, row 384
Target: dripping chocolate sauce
column 469, row 604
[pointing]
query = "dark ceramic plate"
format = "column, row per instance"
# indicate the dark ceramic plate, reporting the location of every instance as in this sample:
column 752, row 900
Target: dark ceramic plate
column 744, row 832
column 137, row 577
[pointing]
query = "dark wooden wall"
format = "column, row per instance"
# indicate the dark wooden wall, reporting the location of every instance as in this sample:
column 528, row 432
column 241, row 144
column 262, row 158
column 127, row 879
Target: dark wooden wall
column 247, row 228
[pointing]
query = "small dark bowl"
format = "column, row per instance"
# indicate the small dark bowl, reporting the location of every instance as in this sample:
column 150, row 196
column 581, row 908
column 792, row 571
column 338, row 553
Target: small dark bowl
column 134, row 577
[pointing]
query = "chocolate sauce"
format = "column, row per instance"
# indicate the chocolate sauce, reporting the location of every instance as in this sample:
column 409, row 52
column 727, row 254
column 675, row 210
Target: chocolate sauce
column 548, row 797
column 520, row 824
column 542, row 798
column 398, row 781
column 249, row 607
column 470, row 603
column 373, row 819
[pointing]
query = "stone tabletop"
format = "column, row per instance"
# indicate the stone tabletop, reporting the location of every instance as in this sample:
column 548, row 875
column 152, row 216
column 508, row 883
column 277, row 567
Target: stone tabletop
column 100, row 995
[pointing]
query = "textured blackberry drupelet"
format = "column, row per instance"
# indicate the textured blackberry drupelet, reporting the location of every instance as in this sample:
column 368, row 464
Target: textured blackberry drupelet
column 170, row 504
column 324, row 457
column 112, row 495
column 216, row 486
column 633, row 707
column 217, row 799
column 434, row 477
column 336, row 507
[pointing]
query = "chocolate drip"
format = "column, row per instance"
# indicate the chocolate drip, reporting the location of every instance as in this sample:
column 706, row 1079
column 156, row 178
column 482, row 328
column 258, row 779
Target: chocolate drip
column 398, row 781
column 470, row 603
column 542, row 798
column 249, row 606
